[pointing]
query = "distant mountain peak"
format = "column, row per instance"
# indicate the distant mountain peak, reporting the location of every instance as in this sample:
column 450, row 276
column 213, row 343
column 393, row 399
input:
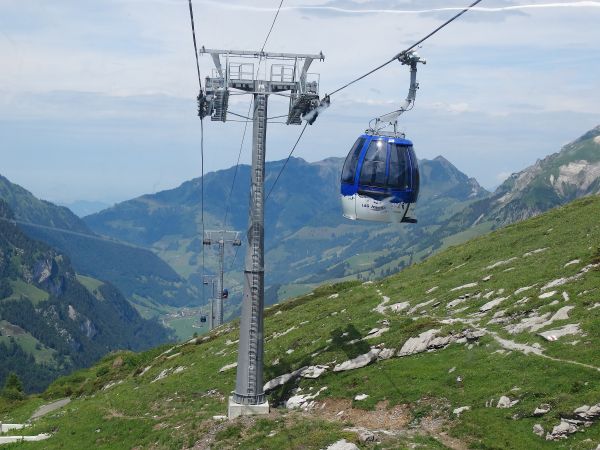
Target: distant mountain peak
column 592, row 134
column 558, row 178
column 441, row 159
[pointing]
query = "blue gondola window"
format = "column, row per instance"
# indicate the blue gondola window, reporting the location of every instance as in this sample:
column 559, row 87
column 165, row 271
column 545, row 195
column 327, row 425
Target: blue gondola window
column 399, row 166
column 373, row 171
column 349, row 169
column 416, row 181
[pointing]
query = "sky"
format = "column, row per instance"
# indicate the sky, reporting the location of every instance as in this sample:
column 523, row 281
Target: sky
column 98, row 98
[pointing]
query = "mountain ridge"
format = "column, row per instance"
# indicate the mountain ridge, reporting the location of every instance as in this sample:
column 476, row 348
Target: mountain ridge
column 302, row 213
column 139, row 273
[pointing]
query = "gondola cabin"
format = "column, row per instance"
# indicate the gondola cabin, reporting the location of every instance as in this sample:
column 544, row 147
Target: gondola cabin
column 380, row 179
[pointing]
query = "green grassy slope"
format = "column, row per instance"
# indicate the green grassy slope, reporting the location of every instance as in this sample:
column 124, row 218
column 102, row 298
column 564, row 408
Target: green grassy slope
column 167, row 397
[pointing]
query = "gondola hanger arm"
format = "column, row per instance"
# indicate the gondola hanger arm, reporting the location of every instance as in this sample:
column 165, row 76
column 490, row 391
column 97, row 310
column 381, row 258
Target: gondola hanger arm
column 410, row 58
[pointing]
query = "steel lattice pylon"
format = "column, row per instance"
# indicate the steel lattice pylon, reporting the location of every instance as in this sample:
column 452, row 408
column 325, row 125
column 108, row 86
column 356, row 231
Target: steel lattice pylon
column 288, row 72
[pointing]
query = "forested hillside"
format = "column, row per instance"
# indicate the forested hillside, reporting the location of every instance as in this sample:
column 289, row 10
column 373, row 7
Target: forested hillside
column 142, row 276
column 50, row 323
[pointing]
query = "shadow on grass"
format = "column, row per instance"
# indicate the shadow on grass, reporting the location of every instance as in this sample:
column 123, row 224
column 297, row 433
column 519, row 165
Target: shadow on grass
column 340, row 340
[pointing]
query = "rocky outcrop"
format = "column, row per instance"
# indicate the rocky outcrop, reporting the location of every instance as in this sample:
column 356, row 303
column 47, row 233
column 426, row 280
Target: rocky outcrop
column 583, row 416
column 359, row 361
column 429, row 340
column 561, row 431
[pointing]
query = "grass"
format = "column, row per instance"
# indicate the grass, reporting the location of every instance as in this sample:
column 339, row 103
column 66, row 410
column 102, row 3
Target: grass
column 177, row 411
column 91, row 284
column 22, row 289
column 185, row 327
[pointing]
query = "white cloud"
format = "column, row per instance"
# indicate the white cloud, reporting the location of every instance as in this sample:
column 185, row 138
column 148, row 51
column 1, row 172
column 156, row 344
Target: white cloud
column 502, row 176
column 123, row 78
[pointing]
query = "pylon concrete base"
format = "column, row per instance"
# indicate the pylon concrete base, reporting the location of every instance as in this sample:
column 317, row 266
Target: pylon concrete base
column 236, row 409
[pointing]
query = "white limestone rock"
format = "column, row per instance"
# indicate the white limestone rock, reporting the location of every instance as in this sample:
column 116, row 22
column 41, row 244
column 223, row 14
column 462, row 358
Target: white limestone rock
column 343, row 445
column 562, row 313
column 313, row 371
column 488, row 295
column 561, row 431
column 456, row 302
column 358, row 362
column 544, row 408
column 553, row 335
column 459, row 411
column 303, row 401
column 283, row 333
column 163, row 374
column 361, row 397
column 418, row 344
column 282, row 379
column 464, row 286
column 586, row 412
column 535, row 252
column 492, row 304
column 386, row 353
column 376, row 332
column 565, row 280
column 228, row 367
column 523, row 289
column 505, row 402
column 366, row 436
column 501, row 263
column 399, row 307
column 538, row 430
column 420, row 306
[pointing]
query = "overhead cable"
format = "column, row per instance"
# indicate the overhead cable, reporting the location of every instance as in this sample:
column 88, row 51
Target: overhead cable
column 403, row 52
column 195, row 45
column 227, row 208
column 201, row 137
column 286, row 161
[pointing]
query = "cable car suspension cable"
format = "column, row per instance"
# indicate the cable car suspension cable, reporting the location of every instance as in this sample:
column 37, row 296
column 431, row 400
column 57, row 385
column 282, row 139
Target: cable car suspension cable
column 275, row 182
column 404, row 55
column 195, row 45
column 286, row 161
column 399, row 55
column 201, row 137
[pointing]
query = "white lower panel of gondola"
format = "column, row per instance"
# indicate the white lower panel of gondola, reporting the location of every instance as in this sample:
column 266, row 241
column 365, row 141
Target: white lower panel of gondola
column 359, row 207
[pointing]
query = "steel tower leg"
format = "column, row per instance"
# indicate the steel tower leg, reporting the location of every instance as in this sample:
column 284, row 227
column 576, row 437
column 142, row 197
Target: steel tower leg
column 248, row 397
column 212, row 308
column 221, row 267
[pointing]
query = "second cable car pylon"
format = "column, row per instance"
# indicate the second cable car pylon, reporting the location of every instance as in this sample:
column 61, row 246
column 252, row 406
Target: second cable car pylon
column 291, row 75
